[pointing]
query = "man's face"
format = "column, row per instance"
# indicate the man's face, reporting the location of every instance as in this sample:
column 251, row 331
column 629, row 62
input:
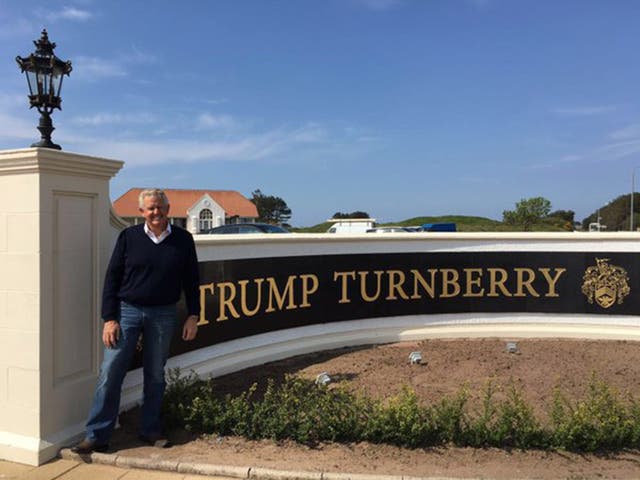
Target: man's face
column 155, row 212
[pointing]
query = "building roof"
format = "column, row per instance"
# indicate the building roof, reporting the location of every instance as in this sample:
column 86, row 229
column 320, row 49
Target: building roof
column 233, row 203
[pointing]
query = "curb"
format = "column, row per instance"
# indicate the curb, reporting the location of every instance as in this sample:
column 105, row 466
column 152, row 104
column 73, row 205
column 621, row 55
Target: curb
column 249, row 473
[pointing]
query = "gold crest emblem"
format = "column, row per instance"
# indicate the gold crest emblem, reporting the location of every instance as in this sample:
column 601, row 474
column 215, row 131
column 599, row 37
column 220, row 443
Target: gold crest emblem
column 606, row 284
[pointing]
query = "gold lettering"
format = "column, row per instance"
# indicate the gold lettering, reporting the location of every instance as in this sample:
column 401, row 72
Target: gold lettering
column 495, row 282
column 306, row 291
column 344, row 297
column 243, row 296
column 363, row 286
column 450, row 279
column 552, row 281
column 396, row 281
column 274, row 294
column 203, row 319
column 428, row 287
column 521, row 282
column 227, row 302
column 473, row 278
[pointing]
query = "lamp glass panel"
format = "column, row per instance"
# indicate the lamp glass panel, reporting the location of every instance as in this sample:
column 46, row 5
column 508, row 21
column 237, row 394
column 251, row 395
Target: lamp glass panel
column 41, row 83
column 54, row 81
column 32, row 82
column 57, row 84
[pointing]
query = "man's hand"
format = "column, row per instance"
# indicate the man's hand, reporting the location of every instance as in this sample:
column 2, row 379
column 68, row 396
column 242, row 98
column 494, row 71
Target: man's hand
column 110, row 333
column 190, row 328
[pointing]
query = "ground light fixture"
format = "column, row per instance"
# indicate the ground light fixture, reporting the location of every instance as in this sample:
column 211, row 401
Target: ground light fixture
column 512, row 347
column 44, row 72
column 415, row 357
column 323, row 379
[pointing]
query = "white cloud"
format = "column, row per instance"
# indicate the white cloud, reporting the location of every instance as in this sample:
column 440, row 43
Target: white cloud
column 272, row 144
column 617, row 150
column 310, row 133
column 585, row 110
column 630, row 131
column 208, row 121
column 71, row 13
column 622, row 143
column 67, row 13
column 101, row 119
column 139, row 56
column 360, row 134
column 607, row 152
column 94, row 68
column 542, row 165
column 213, row 101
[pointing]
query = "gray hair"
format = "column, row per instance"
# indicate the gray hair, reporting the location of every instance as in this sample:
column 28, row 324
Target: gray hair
column 152, row 192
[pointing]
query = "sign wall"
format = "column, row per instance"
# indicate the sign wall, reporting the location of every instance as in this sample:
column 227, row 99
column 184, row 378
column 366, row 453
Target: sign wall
column 245, row 297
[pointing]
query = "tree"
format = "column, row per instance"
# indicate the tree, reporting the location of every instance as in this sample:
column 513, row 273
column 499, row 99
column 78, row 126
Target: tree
column 356, row 214
column 563, row 218
column 528, row 211
column 566, row 215
column 271, row 209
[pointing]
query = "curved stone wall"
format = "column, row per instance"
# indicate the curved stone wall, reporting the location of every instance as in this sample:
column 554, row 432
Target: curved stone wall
column 577, row 285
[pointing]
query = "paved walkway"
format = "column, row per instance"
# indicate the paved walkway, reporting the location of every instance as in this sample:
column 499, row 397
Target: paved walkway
column 93, row 467
column 62, row 469
column 105, row 467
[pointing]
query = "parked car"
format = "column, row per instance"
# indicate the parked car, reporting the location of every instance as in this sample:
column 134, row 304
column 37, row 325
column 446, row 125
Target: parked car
column 439, row 227
column 247, row 228
column 351, row 225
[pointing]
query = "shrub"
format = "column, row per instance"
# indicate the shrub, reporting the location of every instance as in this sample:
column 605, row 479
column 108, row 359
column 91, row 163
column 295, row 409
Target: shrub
column 450, row 419
column 600, row 421
column 403, row 421
column 300, row 410
column 516, row 425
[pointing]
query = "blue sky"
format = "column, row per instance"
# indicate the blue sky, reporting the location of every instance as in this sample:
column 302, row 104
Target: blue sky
column 400, row 108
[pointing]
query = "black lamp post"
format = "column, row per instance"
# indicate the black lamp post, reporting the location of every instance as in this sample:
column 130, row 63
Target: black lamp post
column 44, row 73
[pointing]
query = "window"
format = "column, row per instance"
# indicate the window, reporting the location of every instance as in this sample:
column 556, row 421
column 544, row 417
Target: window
column 248, row 229
column 206, row 220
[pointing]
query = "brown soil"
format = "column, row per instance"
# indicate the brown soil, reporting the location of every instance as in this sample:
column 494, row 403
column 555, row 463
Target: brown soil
column 382, row 370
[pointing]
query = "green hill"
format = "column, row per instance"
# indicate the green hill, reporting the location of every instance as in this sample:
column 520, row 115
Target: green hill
column 319, row 228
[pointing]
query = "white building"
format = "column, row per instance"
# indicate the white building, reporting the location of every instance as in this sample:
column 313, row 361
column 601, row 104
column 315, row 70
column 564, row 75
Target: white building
column 195, row 210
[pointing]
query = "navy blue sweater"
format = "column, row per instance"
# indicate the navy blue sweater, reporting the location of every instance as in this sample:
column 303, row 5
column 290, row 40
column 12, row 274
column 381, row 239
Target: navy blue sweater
column 143, row 273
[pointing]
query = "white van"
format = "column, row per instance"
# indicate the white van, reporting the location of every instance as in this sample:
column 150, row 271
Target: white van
column 351, row 225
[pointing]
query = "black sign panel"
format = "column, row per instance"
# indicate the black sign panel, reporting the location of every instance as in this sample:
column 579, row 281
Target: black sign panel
column 245, row 297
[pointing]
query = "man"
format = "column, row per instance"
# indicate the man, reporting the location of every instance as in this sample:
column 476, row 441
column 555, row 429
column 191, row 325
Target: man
column 150, row 266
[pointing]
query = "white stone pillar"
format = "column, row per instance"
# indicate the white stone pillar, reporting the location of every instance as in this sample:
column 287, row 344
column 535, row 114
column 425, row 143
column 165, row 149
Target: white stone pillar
column 56, row 235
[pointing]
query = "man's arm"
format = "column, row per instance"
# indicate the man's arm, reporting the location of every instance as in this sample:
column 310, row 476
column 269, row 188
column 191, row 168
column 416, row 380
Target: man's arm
column 191, row 285
column 113, row 281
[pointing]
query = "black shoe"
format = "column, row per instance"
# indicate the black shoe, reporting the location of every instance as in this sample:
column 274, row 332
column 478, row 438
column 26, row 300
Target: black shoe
column 88, row 446
column 158, row 441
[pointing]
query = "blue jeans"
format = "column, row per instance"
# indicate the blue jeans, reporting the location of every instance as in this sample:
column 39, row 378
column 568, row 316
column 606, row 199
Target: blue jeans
column 158, row 324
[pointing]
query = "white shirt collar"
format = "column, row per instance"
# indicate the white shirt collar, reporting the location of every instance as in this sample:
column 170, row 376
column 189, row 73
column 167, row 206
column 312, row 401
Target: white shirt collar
column 152, row 235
